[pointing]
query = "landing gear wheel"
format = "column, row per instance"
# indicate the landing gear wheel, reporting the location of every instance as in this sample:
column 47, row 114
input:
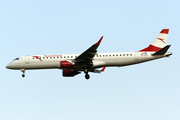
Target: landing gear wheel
column 23, row 75
column 87, row 76
column 23, row 70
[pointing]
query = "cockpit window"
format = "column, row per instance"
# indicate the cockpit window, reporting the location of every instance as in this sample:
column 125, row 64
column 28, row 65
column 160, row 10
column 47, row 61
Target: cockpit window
column 16, row 59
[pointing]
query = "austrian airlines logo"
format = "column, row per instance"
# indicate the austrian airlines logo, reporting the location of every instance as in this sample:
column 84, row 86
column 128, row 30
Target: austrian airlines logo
column 161, row 39
column 144, row 54
column 37, row 57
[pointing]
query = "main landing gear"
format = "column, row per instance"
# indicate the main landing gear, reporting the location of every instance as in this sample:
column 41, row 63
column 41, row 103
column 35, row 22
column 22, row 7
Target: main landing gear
column 23, row 70
column 87, row 75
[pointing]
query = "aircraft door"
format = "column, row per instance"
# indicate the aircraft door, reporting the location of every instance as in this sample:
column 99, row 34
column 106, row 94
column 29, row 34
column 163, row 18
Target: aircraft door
column 27, row 59
column 136, row 55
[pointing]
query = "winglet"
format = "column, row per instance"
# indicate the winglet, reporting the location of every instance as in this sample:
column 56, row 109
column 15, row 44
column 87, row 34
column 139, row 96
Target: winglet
column 99, row 41
column 103, row 69
column 99, row 71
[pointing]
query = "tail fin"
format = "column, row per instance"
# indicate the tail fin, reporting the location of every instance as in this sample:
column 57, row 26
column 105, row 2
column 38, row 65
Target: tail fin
column 158, row 43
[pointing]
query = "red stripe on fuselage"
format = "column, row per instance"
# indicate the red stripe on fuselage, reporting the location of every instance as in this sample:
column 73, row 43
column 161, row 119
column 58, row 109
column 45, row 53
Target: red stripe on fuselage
column 151, row 48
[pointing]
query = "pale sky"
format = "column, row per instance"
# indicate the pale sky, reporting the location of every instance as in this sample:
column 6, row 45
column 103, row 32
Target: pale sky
column 147, row 91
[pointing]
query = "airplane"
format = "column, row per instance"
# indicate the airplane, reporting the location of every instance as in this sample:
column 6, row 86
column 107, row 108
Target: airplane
column 90, row 60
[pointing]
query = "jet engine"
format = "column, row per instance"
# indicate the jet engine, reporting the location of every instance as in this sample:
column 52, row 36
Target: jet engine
column 70, row 73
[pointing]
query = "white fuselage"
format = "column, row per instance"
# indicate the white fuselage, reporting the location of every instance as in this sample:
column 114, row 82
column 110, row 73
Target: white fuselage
column 100, row 60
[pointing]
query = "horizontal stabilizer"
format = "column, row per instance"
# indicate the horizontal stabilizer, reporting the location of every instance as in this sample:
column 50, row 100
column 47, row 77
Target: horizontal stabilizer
column 162, row 51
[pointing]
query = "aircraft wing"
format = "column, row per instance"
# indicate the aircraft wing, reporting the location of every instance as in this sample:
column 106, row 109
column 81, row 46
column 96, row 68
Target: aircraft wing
column 87, row 56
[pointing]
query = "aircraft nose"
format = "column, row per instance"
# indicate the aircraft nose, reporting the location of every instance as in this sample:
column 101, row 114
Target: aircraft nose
column 8, row 66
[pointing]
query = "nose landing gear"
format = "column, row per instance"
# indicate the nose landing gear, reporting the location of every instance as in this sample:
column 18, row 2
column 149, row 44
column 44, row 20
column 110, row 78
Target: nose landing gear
column 23, row 70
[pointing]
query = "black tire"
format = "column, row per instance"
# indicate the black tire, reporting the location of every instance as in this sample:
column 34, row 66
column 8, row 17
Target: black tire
column 87, row 76
column 23, row 75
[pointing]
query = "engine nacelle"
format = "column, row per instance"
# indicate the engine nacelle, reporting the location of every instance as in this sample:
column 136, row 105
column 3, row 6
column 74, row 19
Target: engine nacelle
column 70, row 73
column 66, row 64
